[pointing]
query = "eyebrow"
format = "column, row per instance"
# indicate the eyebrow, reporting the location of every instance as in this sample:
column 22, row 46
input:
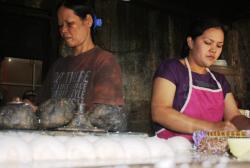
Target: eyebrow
column 213, row 40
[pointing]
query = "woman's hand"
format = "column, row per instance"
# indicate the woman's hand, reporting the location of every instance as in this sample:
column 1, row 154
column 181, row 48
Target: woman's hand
column 16, row 100
column 34, row 107
column 224, row 125
column 27, row 101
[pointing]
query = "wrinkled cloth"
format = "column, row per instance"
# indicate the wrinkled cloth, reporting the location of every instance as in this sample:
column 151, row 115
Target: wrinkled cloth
column 106, row 117
column 56, row 113
column 18, row 116
column 241, row 122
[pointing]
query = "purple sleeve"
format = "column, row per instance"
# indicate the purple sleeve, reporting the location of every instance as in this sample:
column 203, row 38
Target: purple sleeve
column 167, row 70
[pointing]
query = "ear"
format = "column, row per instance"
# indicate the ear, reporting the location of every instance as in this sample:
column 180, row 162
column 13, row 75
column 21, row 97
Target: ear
column 190, row 42
column 89, row 20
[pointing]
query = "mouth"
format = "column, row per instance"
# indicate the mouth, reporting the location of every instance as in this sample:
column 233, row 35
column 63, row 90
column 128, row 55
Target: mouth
column 211, row 57
column 66, row 38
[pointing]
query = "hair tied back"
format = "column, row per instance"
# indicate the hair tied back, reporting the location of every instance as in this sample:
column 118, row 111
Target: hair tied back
column 97, row 22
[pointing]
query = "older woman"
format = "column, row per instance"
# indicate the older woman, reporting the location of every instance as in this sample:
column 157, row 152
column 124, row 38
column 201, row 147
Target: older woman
column 91, row 75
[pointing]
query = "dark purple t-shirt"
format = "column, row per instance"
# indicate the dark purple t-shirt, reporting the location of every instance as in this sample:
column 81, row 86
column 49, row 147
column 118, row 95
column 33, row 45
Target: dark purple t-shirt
column 174, row 71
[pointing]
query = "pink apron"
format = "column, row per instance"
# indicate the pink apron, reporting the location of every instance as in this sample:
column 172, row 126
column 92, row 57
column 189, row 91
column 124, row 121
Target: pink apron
column 202, row 103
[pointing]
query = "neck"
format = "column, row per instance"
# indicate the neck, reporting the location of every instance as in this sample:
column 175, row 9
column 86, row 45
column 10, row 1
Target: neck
column 195, row 67
column 84, row 47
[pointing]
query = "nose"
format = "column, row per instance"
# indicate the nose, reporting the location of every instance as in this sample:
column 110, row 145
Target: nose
column 63, row 29
column 213, row 49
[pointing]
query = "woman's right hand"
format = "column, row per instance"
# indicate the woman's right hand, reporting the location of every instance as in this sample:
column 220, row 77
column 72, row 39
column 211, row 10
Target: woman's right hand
column 224, row 125
column 16, row 99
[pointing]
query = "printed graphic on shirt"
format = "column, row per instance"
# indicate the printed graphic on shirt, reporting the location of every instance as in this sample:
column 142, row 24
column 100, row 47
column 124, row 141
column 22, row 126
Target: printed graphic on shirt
column 70, row 85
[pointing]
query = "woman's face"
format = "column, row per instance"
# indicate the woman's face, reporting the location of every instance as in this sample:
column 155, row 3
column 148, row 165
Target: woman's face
column 74, row 30
column 206, row 48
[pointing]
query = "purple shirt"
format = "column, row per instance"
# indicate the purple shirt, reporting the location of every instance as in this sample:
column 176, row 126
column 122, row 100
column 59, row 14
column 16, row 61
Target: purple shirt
column 174, row 71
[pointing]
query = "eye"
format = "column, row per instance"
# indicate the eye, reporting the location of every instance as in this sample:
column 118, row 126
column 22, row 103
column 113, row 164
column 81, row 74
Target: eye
column 220, row 45
column 70, row 24
column 208, row 42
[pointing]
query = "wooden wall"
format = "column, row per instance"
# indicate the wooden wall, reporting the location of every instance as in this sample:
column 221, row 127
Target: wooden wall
column 141, row 38
column 242, row 56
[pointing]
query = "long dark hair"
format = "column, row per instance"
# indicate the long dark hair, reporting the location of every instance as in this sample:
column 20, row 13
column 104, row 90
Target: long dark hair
column 197, row 27
column 81, row 8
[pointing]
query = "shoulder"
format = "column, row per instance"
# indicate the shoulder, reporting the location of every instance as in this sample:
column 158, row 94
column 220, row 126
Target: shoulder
column 170, row 63
column 104, row 56
column 60, row 63
column 57, row 63
column 100, row 52
column 173, row 64
column 171, row 69
column 169, row 66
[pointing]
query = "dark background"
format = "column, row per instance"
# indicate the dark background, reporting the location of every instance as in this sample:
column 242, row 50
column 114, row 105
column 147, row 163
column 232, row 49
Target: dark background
column 140, row 33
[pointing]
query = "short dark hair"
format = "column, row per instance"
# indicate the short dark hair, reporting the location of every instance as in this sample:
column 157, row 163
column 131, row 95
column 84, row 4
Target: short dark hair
column 81, row 9
column 197, row 27
column 29, row 94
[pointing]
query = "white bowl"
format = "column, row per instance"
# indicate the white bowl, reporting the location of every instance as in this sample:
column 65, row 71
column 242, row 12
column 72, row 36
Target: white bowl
column 220, row 62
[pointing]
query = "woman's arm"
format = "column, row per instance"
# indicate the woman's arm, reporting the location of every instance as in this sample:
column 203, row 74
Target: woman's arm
column 231, row 109
column 232, row 114
column 164, row 113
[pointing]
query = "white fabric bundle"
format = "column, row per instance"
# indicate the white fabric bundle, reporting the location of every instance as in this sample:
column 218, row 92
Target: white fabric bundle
column 14, row 149
column 28, row 137
column 47, row 148
column 135, row 148
column 27, row 147
column 180, row 144
column 182, row 148
column 159, row 148
column 79, row 148
column 108, row 148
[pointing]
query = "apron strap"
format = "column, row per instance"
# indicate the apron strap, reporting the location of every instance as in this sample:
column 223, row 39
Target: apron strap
column 190, row 86
column 218, row 83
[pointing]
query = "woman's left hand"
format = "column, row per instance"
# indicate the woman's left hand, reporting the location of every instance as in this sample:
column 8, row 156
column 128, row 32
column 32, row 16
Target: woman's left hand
column 34, row 107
